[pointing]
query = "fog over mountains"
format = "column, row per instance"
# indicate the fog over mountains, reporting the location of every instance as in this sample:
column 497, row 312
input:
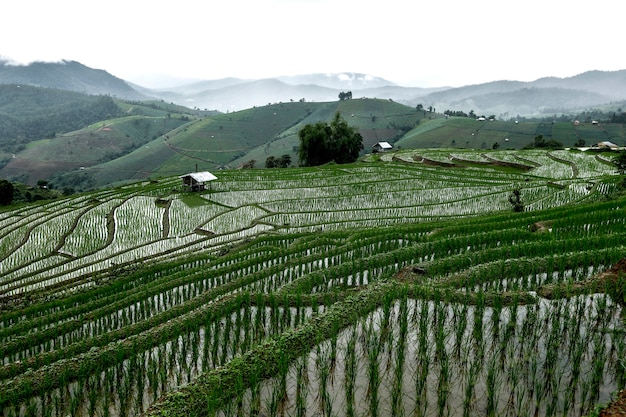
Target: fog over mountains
column 503, row 98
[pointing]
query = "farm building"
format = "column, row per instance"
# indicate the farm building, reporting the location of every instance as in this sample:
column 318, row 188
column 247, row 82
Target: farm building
column 381, row 147
column 196, row 181
column 606, row 144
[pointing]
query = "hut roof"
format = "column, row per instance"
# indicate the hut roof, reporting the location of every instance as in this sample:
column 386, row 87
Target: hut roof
column 204, row 176
column 384, row 145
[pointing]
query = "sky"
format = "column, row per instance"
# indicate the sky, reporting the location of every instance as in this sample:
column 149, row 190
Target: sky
column 412, row 43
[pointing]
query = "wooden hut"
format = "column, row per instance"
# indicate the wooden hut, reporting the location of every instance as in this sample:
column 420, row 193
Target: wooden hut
column 196, row 181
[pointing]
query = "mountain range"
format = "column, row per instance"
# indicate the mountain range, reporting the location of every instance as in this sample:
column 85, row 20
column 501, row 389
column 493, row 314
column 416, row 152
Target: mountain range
column 503, row 98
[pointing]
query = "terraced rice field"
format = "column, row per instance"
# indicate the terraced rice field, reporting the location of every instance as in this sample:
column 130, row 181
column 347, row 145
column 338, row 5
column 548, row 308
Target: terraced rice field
column 395, row 286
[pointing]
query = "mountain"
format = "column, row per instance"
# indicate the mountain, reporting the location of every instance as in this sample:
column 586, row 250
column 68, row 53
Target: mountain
column 233, row 94
column 525, row 101
column 541, row 97
column 504, row 98
column 68, row 75
column 230, row 95
column 608, row 83
column 344, row 80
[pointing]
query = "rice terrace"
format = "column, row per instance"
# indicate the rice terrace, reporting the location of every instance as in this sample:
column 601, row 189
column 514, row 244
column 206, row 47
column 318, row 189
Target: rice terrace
column 401, row 285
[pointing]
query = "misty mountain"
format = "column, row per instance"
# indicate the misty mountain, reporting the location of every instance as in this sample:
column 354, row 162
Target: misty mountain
column 504, row 98
column 67, row 75
column 233, row 94
column 526, row 101
column 609, row 83
column 195, row 87
column 344, row 80
column 535, row 98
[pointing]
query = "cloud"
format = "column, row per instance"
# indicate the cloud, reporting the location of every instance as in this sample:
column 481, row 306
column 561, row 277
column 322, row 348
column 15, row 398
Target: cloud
column 442, row 43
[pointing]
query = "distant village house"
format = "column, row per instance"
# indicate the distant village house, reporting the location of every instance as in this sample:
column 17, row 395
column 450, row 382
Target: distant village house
column 606, row 145
column 196, row 181
column 381, row 147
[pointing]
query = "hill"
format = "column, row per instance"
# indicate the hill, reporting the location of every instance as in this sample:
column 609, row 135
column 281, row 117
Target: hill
column 543, row 97
column 105, row 129
column 29, row 113
column 67, row 75
column 235, row 139
column 153, row 140
column 350, row 288
column 464, row 132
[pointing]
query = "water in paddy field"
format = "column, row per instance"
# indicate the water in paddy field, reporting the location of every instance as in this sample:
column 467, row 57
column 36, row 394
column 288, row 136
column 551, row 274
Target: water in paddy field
column 131, row 387
column 552, row 358
column 416, row 357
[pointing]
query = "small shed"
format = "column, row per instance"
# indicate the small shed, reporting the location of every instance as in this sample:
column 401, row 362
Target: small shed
column 605, row 145
column 196, row 181
column 381, row 147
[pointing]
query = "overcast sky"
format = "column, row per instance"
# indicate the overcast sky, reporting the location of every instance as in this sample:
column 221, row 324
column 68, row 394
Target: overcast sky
column 417, row 43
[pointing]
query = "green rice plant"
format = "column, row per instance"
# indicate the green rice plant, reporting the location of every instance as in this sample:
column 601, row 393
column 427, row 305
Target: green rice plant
column 460, row 313
column 373, row 371
column 106, row 399
column 255, row 391
column 443, row 387
column 272, row 403
column 472, row 377
column 397, row 408
column 491, row 384
column 302, row 390
column 32, row 408
column 46, row 405
column 350, row 369
column 323, row 363
column 422, row 361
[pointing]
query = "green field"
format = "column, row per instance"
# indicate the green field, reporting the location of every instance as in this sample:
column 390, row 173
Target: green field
column 153, row 140
column 400, row 285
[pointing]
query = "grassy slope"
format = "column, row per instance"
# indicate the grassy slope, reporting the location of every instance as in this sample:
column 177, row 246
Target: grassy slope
column 95, row 144
column 470, row 133
column 154, row 140
column 232, row 139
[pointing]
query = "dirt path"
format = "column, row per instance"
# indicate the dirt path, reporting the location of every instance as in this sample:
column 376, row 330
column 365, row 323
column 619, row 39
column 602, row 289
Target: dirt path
column 617, row 407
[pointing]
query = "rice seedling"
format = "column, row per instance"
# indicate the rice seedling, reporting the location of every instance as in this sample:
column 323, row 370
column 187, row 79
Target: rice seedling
column 455, row 330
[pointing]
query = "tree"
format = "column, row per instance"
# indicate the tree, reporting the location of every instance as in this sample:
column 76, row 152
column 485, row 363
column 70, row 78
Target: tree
column 322, row 142
column 620, row 162
column 285, row 160
column 540, row 142
column 345, row 95
column 515, row 198
column 6, row 192
column 282, row 162
column 270, row 162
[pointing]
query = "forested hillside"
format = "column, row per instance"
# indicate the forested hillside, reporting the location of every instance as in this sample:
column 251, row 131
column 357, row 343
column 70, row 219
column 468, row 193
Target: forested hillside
column 28, row 113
